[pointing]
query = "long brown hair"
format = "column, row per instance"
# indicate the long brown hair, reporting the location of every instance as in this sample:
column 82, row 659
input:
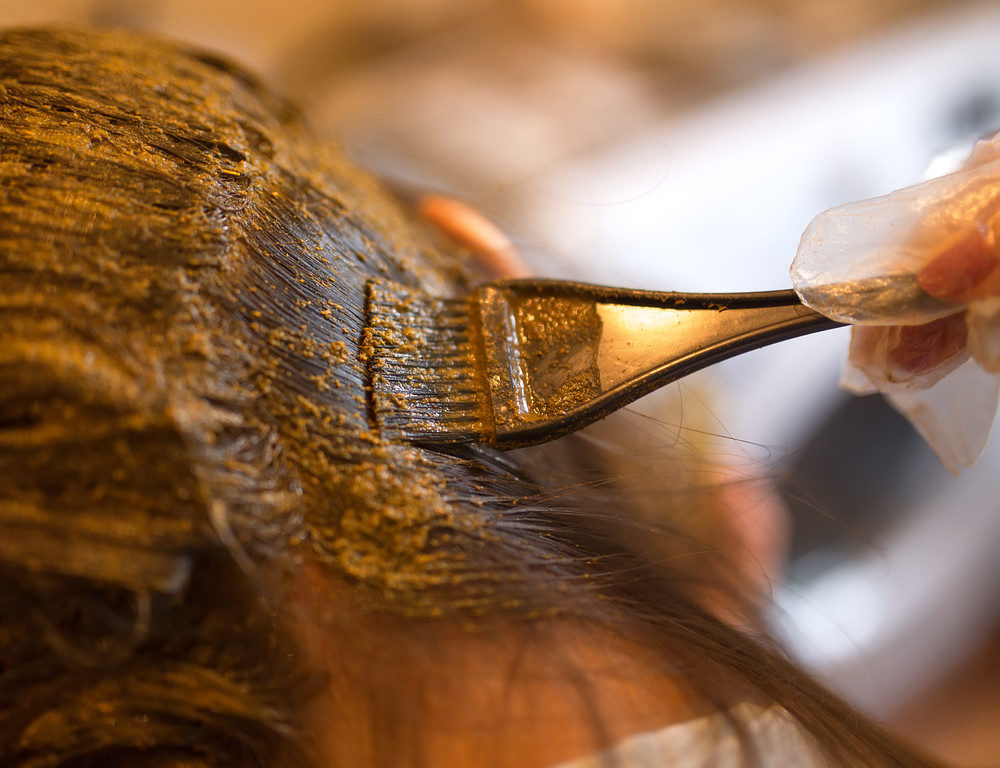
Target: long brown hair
column 182, row 411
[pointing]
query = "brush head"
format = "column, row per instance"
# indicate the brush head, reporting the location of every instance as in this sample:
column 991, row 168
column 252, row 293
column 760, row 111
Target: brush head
column 425, row 378
column 521, row 362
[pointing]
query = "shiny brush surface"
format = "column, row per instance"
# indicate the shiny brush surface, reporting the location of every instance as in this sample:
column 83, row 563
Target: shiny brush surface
column 525, row 361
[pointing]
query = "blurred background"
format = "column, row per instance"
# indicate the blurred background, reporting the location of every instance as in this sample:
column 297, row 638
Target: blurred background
column 685, row 145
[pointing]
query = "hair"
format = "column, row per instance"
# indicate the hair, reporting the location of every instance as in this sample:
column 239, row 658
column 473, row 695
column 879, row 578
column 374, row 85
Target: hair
column 183, row 415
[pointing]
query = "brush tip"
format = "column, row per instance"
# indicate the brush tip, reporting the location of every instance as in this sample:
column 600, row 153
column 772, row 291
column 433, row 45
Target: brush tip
column 425, row 384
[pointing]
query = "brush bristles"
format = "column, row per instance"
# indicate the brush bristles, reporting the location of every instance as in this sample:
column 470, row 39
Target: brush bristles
column 424, row 377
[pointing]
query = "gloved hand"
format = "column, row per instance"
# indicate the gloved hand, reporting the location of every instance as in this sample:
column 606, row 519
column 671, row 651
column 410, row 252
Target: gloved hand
column 930, row 338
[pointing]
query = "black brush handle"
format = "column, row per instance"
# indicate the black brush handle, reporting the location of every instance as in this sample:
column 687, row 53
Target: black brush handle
column 561, row 355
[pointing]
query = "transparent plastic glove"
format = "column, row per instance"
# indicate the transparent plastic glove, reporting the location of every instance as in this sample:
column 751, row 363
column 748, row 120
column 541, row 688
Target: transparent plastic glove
column 927, row 322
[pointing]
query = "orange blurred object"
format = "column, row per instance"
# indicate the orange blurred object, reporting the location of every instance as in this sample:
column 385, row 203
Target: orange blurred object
column 469, row 228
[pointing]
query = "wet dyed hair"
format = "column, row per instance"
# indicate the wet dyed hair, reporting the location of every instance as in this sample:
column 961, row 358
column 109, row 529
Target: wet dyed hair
column 183, row 414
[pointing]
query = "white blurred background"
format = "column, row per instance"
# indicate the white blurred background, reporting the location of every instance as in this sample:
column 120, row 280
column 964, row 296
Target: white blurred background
column 684, row 145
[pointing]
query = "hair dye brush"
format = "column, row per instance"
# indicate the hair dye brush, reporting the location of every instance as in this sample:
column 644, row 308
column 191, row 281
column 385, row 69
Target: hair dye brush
column 520, row 362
